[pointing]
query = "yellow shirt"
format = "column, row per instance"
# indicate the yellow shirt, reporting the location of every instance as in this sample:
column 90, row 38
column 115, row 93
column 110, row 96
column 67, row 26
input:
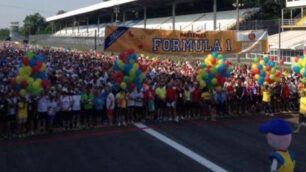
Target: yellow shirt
column 187, row 95
column 303, row 105
column 121, row 100
column 206, row 96
column 161, row 92
column 266, row 96
column 22, row 110
column 286, row 161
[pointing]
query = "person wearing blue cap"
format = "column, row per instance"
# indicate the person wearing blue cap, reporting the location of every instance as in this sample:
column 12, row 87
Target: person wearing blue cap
column 279, row 136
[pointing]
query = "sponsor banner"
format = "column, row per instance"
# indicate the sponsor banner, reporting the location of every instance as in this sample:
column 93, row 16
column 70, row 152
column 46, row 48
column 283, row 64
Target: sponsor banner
column 118, row 39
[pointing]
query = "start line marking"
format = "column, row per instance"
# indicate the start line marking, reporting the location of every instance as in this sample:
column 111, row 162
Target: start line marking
column 184, row 150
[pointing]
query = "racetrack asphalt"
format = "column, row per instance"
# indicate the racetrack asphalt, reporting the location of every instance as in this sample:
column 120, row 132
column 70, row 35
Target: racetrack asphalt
column 234, row 144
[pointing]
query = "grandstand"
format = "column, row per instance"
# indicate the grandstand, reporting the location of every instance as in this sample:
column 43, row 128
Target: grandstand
column 190, row 15
column 193, row 22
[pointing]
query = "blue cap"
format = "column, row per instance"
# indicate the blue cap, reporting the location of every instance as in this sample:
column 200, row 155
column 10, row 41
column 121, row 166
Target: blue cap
column 275, row 126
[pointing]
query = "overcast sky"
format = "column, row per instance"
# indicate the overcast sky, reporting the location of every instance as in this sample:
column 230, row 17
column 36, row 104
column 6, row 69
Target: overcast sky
column 16, row 10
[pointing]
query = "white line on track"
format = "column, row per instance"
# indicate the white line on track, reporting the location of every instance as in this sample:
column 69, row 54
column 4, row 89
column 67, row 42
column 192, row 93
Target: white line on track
column 184, row 150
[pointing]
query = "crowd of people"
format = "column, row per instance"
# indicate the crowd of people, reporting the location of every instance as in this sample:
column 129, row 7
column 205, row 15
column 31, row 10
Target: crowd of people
column 83, row 95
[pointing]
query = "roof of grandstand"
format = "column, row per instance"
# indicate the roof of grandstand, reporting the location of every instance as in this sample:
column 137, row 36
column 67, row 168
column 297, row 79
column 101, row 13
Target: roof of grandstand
column 95, row 7
column 125, row 4
column 294, row 39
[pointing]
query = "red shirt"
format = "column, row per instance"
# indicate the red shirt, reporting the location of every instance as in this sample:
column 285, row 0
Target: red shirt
column 171, row 94
column 196, row 95
column 285, row 91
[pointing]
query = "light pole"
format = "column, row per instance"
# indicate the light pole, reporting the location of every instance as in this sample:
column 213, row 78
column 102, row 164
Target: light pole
column 116, row 11
column 237, row 5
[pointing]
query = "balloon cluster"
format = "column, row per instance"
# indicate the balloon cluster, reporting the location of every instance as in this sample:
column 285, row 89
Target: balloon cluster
column 213, row 71
column 31, row 78
column 265, row 71
column 300, row 67
column 128, row 72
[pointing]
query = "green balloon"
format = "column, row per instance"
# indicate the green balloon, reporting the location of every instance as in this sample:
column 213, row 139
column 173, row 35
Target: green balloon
column 30, row 54
column 126, row 79
column 120, row 64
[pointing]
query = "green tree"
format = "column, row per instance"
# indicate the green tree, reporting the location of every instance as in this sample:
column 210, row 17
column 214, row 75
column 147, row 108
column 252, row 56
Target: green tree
column 4, row 34
column 34, row 24
column 61, row 12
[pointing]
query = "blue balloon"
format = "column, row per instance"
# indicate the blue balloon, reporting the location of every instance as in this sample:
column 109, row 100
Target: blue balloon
column 32, row 62
column 221, row 69
column 296, row 69
column 17, row 87
column 40, row 57
column 132, row 56
column 260, row 66
column 127, row 68
column 42, row 75
column 211, row 76
column 266, row 60
column 138, row 72
column 271, row 64
column 215, row 54
column 131, row 61
column 262, row 74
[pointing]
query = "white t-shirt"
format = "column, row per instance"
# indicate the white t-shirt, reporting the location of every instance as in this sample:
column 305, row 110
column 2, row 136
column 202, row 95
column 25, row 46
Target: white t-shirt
column 42, row 106
column 66, row 102
column 12, row 101
column 52, row 108
column 131, row 99
column 139, row 99
column 76, row 102
column 110, row 101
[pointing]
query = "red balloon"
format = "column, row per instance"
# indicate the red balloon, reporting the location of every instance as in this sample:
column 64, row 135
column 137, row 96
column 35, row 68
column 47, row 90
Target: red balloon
column 39, row 65
column 25, row 61
column 35, row 70
column 277, row 73
column 132, row 86
column 12, row 82
column 123, row 56
column 255, row 71
column 24, row 84
column 268, row 68
column 271, row 58
column 213, row 61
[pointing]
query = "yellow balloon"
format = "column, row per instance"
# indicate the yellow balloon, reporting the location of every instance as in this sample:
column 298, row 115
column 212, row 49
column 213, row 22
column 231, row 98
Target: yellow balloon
column 30, row 80
column 123, row 85
column 214, row 81
column 135, row 66
column 302, row 71
column 43, row 67
column 261, row 62
column 199, row 78
column 257, row 76
column 23, row 92
column 18, row 79
column 202, row 84
column 254, row 66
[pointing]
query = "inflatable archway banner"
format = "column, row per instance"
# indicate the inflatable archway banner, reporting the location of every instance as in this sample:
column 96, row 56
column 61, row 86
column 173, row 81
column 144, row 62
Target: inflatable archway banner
column 157, row 41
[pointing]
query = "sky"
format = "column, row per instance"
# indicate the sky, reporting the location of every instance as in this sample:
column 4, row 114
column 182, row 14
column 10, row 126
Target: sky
column 17, row 10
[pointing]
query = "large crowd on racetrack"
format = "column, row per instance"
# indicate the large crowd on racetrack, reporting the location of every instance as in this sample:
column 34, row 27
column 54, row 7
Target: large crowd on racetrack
column 83, row 95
